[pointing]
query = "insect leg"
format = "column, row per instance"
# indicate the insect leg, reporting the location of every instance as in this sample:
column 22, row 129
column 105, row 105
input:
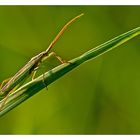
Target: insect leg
column 4, row 82
column 4, row 101
column 2, row 95
column 44, row 82
column 33, row 77
column 34, row 73
column 58, row 57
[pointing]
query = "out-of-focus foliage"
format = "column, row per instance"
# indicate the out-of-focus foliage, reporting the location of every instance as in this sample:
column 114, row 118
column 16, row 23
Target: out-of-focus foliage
column 99, row 97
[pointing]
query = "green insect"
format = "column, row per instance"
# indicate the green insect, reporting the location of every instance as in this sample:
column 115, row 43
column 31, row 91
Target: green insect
column 30, row 68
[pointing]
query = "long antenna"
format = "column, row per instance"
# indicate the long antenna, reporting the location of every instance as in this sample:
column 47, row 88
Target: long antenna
column 62, row 31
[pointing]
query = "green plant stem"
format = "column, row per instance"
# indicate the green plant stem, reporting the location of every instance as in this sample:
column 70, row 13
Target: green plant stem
column 33, row 87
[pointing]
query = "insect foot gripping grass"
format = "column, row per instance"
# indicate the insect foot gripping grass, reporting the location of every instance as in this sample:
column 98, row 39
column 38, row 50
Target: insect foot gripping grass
column 30, row 68
column 29, row 89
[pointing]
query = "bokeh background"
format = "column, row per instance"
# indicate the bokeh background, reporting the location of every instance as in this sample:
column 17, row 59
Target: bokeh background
column 101, row 96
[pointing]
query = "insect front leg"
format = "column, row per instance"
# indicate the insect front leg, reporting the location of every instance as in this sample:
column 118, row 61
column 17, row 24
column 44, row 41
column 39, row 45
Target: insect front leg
column 58, row 57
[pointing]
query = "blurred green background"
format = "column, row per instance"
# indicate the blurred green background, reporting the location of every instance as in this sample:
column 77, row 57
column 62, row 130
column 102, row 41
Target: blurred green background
column 101, row 96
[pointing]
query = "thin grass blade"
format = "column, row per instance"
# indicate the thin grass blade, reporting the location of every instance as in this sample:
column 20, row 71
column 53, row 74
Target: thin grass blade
column 33, row 87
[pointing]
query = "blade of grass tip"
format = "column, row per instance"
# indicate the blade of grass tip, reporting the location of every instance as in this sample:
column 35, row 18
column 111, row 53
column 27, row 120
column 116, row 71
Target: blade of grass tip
column 31, row 88
column 111, row 44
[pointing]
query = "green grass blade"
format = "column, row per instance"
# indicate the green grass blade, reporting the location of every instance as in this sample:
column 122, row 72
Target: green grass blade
column 31, row 88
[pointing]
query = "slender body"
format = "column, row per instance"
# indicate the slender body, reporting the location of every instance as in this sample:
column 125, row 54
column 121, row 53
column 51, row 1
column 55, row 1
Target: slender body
column 31, row 66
